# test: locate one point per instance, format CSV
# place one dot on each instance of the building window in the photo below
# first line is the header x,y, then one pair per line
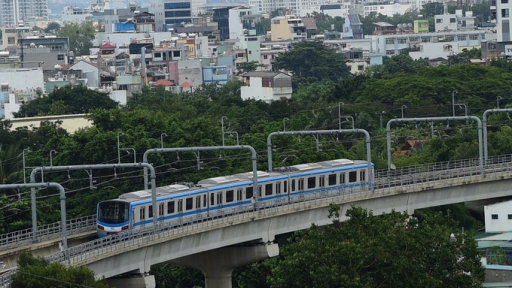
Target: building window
x,y
360,67
60,57
439,20
461,37
504,1
473,37
504,12
402,40
509,216
178,5
265,56
390,41
448,38
390,52
494,216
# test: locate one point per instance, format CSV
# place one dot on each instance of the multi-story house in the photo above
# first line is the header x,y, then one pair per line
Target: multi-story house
x,y
287,27
43,51
455,22
266,86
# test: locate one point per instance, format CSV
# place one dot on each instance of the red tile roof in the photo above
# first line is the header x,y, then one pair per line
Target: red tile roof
x,y
107,46
186,84
163,82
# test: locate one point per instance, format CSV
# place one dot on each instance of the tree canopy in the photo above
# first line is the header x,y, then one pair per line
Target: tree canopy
x,y
39,273
391,250
66,100
80,36
312,61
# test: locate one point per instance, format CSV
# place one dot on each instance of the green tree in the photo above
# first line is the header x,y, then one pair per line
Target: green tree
x,y
481,11
248,66
432,9
80,36
52,27
312,61
38,272
392,250
66,100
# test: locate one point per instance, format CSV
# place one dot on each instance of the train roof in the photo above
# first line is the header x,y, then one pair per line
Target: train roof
x,y
215,181
160,191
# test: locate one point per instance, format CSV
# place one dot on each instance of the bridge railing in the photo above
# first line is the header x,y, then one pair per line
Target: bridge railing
x,y
402,180
46,232
460,174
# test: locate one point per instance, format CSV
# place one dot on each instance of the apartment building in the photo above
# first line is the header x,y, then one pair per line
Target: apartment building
x,y
14,12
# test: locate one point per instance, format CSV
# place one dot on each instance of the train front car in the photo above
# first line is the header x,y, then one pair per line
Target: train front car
x,y
113,216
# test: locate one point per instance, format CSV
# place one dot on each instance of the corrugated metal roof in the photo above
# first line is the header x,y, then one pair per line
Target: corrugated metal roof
x,y
507,236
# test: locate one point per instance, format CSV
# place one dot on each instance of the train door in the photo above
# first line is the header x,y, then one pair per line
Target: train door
x,y
142,215
286,187
180,210
134,215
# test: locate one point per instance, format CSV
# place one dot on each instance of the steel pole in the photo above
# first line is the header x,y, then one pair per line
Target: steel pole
x,y
484,117
315,132
211,148
88,167
479,123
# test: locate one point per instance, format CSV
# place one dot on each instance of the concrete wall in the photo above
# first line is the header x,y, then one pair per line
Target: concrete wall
x,y
190,71
498,217
24,78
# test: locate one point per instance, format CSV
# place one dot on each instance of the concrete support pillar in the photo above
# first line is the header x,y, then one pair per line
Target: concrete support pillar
x,y
217,265
136,281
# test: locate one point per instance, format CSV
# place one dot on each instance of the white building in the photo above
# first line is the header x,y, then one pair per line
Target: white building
x,y
236,22
455,22
392,44
266,86
14,12
295,6
500,13
23,78
498,217
435,50
387,9
89,71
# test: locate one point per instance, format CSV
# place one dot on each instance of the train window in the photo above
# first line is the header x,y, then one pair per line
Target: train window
x,y
293,186
180,205
142,213
229,196
204,200
321,181
189,203
361,175
259,190
239,195
248,192
219,198
268,189
198,202
212,199
332,179
170,207
285,187
150,211
342,178
278,188
301,184
352,176
311,182
161,209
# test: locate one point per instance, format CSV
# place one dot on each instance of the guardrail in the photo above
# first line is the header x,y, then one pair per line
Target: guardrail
x,y
46,232
387,182
80,254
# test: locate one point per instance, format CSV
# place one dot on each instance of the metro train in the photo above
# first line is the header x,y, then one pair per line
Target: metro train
x,y
134,210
